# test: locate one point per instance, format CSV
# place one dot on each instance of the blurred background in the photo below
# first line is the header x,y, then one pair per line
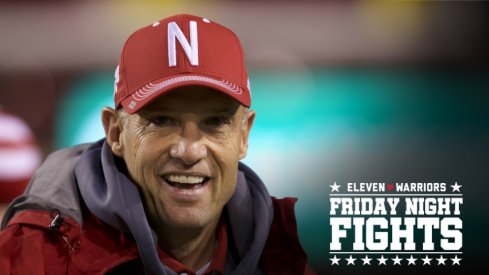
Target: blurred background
x,y
345,91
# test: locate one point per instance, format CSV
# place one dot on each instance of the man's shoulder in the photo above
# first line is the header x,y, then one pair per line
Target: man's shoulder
x,y
52,186
27,238
67,153
60,161
66,248
284,205
283,251
284,222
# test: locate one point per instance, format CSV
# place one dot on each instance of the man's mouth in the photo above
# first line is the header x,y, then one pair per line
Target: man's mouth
x,y
186,182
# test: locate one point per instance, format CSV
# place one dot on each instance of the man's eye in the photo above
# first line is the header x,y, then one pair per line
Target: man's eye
x,y
217,121
162,120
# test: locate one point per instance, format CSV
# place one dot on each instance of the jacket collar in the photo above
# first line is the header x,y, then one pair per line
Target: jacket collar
x,y
113,198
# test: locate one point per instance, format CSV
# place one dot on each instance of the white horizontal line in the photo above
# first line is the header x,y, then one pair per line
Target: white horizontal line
x,y
396,195
393,252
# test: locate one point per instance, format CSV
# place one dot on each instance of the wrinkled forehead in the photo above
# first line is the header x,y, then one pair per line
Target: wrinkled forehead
x,y
194,99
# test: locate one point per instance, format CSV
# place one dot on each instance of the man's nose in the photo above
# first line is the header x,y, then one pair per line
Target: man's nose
x,y
189,148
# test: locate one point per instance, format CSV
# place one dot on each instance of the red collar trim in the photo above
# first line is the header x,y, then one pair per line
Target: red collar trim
x,y
218,258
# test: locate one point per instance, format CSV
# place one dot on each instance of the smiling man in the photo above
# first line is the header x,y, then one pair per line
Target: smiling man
x,y
164,191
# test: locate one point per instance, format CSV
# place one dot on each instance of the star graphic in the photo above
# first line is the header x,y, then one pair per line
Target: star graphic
x,y
350,260
426,260
334,260
397,260
382,260
335,187
441,260
456,187
456,260
412,260
366,260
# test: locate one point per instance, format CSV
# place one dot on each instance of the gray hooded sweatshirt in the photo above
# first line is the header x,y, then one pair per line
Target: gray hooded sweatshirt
x,y
91,173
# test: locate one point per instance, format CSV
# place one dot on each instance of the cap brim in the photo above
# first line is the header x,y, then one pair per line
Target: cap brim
x,y
154,89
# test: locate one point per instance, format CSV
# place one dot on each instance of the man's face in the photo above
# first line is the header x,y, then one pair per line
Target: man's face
x,y
182,150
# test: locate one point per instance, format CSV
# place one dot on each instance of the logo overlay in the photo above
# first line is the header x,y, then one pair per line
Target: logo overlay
x,y
396,224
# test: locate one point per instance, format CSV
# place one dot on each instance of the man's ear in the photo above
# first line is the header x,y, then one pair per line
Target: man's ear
x,y
113,129
247,124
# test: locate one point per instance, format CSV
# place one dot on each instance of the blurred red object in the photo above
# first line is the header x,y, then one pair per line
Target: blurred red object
x,y
19,156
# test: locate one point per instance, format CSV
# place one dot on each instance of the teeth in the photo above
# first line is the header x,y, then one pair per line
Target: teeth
x,y
184,179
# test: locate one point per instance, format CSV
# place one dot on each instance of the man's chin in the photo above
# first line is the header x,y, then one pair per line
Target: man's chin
x,y
189,218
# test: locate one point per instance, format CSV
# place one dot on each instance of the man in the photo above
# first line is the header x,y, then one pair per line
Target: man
x,y
164,192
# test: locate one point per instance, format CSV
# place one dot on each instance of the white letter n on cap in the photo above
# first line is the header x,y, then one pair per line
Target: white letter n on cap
x,y
191,49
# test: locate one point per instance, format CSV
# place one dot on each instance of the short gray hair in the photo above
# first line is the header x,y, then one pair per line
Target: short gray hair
x,y
245,114
122,114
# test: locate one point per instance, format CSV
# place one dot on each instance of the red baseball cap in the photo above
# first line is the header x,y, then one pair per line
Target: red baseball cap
x,y
182,50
